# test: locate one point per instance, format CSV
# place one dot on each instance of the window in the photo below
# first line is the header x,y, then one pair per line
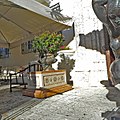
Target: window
x,y
26,47
4,53
30,44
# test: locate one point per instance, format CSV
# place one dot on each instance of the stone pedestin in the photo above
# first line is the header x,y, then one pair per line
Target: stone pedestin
x,y
44,84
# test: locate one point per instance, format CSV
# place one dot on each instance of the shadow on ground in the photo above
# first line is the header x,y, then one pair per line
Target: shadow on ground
x,y
13,100
113,95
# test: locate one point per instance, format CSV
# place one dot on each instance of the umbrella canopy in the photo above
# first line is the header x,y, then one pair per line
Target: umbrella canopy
x,y
21,20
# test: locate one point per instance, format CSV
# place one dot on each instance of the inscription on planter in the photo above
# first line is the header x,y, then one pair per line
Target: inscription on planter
x,y
53,79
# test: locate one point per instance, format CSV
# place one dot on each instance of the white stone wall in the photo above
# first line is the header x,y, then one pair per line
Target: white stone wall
x,y
90,66
82,15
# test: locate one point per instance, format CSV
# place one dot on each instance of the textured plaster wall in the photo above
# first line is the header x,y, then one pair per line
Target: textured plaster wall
x,y
90,65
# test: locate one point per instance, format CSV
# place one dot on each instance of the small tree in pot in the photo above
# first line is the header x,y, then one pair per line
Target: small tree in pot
x,y
47,45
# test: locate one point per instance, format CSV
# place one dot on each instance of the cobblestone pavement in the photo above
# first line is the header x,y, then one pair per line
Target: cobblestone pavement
x,y
90,103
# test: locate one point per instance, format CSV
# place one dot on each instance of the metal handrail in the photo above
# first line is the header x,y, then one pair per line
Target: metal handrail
x,y
16,74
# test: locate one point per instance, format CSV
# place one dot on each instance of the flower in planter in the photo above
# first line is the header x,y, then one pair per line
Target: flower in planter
x,y
65,48
47,43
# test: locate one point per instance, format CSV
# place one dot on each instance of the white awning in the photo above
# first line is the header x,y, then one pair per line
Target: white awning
x,y
21,20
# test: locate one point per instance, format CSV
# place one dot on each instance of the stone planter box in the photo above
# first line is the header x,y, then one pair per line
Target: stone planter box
x,y
46,83
46,79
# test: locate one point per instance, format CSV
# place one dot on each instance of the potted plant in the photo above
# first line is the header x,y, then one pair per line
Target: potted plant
x,y
47,45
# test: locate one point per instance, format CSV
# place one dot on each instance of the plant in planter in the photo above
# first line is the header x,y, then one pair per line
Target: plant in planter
x,y
47,45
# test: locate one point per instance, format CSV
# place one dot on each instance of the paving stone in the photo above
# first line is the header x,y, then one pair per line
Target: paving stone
x,y
77,104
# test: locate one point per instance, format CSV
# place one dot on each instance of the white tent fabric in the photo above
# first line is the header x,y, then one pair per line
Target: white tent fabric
x,y
44,2
21,20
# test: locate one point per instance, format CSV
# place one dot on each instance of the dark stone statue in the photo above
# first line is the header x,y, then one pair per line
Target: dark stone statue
x,y
108,12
